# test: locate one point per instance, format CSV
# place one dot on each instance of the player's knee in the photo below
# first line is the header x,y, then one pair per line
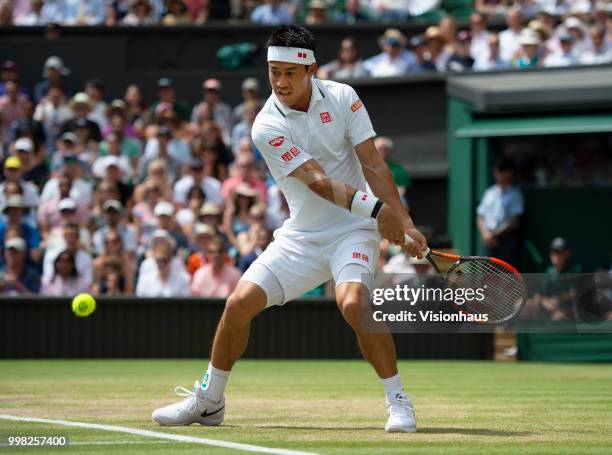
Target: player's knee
x,y
240,308
352,308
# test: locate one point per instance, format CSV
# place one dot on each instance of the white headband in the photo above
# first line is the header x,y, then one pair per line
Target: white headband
x,y
291,55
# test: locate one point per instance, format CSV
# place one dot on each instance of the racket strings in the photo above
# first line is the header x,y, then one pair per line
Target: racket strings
x,y
503,290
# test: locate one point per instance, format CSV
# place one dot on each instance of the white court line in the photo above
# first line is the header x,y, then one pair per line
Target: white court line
x,y
157,434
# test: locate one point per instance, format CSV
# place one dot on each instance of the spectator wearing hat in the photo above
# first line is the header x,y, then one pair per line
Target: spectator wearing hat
x,y
352,13
130,147
12,108
167,94
167,148
66,147
187,216
317,12
71,243
236,218
49,211
437,49
54,73
600,52
461,60
118,107
564,56
114,251
81,189
122,171
384,147
250,92
529,55
244,173
221,111
418,46
81,106
216,278
196,177
114,216
493,61
479,44
52,112
177,13
13,172
17,275
10,72
395,60
272,12
164,211
577,29
141,13
162,276
498,214
558,290
68,215
31,170
201,236
65,279
348,65
509,39
15,211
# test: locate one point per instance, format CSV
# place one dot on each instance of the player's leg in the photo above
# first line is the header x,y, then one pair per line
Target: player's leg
x,y
206,403
354,280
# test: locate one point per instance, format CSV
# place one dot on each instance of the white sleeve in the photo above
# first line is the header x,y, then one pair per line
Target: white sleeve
x,y
273,141
358,123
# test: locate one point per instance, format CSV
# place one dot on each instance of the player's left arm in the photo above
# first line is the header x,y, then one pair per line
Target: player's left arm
x,y
380,179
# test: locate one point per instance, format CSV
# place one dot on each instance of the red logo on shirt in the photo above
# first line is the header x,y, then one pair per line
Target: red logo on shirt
x,y
294,151
364,197
357,255
325,117
301,54
277,141
286,157
356,105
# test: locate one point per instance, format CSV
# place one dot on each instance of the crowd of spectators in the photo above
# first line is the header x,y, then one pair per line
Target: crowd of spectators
x,y
127,197
538,33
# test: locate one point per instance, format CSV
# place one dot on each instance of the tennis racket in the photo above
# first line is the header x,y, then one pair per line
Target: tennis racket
x,y
504,288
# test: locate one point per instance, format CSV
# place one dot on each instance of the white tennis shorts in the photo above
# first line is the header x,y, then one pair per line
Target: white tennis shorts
x,y
300,265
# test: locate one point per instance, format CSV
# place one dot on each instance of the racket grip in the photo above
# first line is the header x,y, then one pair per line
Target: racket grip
x,y
408,239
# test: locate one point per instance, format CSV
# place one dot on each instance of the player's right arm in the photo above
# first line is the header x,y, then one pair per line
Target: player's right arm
x,y
314,177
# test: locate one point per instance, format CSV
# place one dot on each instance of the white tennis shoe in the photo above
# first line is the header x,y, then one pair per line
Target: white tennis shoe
x,y
402,418
195,408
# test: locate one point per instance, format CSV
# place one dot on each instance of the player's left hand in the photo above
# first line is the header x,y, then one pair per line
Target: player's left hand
x,y
418,245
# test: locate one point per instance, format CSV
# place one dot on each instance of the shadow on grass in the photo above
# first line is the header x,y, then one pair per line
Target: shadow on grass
x,y
427,430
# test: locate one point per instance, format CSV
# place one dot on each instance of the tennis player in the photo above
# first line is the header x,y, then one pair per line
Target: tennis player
x,y
317,140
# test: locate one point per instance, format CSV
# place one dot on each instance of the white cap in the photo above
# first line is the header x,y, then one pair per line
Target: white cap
x,y
529,37
14,201
16,242
112,204
203,229
66,204
573,22
24,143
164,208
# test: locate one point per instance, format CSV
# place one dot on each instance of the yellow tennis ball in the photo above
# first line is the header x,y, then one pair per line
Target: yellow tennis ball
x,y
83,305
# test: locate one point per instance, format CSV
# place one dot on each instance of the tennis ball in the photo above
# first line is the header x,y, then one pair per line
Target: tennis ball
x,y
83,305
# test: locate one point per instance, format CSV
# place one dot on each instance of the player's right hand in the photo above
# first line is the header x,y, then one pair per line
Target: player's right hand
x,y
418,244
390,225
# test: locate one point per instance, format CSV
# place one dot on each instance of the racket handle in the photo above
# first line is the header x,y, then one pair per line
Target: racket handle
x,y
408,239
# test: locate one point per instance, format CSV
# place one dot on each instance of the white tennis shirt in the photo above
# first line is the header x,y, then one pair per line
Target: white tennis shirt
x,y
336,121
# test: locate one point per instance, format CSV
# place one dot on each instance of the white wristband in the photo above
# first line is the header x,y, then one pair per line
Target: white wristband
x,y
363,204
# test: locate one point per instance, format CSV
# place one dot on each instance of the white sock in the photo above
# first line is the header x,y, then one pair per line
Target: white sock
x,y
392,385
214,382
